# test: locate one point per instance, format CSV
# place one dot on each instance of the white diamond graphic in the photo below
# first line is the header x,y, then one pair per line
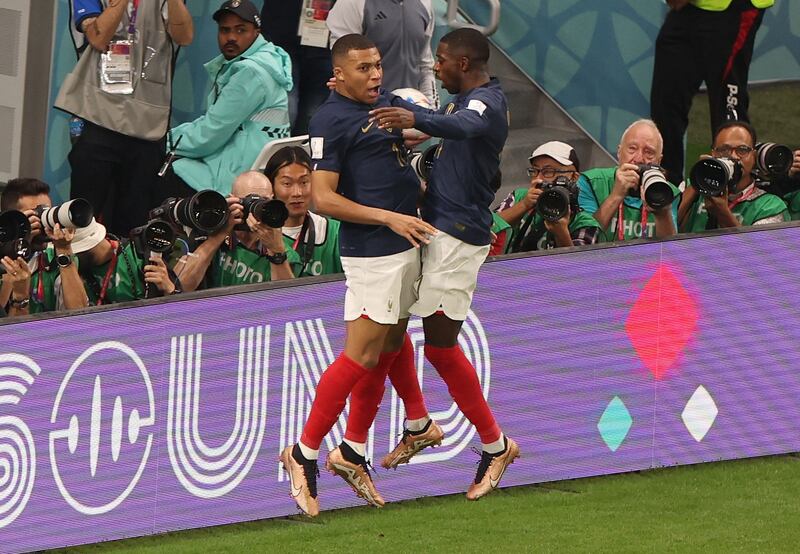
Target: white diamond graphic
x,y
700,413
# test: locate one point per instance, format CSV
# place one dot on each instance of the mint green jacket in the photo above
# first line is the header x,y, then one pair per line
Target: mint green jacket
x,y
247,108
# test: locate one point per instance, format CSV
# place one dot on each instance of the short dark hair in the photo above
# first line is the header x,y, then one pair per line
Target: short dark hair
x,y
735,123
470,43
287,155
17,188
353,41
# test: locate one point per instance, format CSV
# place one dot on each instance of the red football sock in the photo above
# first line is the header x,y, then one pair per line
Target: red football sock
x,y
462,382
332,390
365,399
403,375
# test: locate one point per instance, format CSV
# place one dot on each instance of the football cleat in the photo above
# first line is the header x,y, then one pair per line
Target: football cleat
x,y
356,474
303,479
412,443
491,469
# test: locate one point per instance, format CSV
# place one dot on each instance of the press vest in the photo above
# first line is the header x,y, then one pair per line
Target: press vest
x,y
720,5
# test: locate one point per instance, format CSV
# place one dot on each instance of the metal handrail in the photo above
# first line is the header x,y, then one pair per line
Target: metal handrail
x,y
494,20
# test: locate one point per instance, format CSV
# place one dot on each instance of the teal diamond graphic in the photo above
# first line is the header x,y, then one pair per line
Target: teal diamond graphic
x,y
615,423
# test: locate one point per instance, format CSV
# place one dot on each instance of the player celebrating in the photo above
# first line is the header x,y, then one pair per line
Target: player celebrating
x,y
474,127
362,178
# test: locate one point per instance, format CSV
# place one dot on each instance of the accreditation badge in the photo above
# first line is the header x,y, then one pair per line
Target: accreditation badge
x,y
313,30
116,68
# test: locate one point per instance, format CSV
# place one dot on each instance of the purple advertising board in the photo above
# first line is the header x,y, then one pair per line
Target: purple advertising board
x,y
153,418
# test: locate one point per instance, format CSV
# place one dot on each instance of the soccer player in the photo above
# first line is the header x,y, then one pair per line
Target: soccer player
x,y
361,177
474,126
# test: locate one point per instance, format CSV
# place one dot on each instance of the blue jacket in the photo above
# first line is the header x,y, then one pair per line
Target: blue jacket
x,y
247,108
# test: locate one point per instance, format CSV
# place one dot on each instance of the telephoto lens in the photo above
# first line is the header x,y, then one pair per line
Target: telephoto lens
x,y
422,163
655,188
269,211
714,176
13,225
73,214
773,160
154,236
556,197
205,211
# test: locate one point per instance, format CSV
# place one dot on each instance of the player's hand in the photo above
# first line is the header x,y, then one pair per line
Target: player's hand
x,y
18,274
411,228
795,169
413,138
393,118
532,197
156,272
626,179
677,5
331,84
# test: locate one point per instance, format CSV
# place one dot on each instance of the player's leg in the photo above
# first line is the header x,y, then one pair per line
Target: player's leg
x,y
382,301
363,346
449,277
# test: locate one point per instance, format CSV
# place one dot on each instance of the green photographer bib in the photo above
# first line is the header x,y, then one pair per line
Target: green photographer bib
x,y
324,256
43,282
125,282
754,208
242,266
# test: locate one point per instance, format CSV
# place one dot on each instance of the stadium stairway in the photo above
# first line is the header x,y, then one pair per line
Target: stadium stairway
x,y
536,118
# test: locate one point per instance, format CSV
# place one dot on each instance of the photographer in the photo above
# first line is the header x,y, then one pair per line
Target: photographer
x,y
51,280
314,238
614,197
551,164
787,186
739,202
237,256
115,270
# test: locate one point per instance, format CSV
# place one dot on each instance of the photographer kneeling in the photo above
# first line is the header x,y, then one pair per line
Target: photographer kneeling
x,y
618,197
245,250
546,215
722,192
38,273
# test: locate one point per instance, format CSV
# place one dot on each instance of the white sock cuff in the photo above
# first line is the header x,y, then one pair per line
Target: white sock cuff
x,y
415,425
497,446
359,447
308,453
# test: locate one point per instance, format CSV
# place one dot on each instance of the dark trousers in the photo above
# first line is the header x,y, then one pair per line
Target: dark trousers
x,y
311,69
116,174
693,46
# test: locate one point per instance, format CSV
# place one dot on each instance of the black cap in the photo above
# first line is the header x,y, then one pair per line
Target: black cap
x,y
243,8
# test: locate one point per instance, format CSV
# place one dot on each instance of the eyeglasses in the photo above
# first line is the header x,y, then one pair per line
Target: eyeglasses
x,y
742,150
546,172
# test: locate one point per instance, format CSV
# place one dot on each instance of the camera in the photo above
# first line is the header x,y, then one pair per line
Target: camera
x,y
715,176
422,162
655,188
269,211
155,236
205,211
15,232
773,160
556,198
72,214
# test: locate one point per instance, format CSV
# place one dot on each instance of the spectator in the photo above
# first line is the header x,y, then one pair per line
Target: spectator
x,y
125,109
406,55
49,281
238,257
529,230
314,238
702,40
308,49
743,203
247,107
612,195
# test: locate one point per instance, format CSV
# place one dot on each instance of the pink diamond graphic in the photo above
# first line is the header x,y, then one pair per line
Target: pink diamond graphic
x,y
662,321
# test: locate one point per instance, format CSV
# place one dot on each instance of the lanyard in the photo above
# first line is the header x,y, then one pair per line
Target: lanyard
x,y
112,265
132,23
742,198
39,296
620,226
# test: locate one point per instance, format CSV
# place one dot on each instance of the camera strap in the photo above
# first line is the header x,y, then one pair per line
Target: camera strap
x,y
744,196
39,296
515,246
621,226
308,239
112,266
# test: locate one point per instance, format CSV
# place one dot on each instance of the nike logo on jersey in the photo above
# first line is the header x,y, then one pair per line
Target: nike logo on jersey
x,y
368,127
